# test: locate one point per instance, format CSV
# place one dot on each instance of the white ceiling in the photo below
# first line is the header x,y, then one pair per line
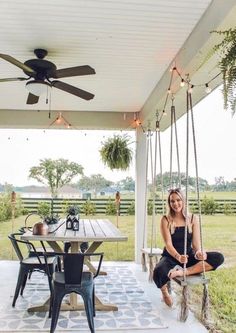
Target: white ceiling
x,y
131,44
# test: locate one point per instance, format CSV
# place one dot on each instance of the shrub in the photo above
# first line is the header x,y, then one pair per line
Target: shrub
x,y
24,211
194,208
150,207
6,208
131,209
209,206
228,210
111,208
89,208
44,209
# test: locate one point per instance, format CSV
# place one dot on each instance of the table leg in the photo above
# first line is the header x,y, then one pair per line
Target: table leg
x,y
92,248
73,304
40,308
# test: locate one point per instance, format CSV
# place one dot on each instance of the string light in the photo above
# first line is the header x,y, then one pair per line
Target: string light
x,y
61,120
208,89
190,89
182,83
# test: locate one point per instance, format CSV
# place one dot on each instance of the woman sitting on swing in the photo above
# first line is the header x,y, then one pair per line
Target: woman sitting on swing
x,y
173,257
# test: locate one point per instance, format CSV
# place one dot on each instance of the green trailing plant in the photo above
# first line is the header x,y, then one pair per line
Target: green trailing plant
x,y
116,153
227,64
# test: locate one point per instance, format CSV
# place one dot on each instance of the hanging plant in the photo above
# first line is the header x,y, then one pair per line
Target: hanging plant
x,y
227,64
115,152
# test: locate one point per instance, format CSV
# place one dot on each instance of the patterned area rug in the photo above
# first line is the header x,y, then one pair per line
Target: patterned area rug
x,y
119,286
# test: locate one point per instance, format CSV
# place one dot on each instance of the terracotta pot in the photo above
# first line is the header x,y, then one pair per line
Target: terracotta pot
x,y
40,228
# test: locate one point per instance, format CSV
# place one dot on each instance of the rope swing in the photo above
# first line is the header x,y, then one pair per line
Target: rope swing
x,y
200,278
153,253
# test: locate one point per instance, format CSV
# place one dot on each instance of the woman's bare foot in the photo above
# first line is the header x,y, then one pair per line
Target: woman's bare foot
x,y
175,272
166,296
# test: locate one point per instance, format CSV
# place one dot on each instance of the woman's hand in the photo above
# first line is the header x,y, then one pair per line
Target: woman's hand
x,y
200,255
183,259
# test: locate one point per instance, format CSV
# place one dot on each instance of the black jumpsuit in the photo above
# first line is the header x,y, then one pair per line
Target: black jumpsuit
x,y
167,262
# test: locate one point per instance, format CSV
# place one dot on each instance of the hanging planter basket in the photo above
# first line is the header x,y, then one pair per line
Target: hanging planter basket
x,y
227,64
115,152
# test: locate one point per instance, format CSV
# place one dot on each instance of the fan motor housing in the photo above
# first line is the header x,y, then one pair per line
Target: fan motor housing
x,y
43,68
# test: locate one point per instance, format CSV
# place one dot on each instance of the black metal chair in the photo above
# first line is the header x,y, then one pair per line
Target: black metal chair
x,y
73,279
40,250
28,263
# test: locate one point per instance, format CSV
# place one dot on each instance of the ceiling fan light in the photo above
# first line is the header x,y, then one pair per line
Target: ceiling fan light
x,y
37,87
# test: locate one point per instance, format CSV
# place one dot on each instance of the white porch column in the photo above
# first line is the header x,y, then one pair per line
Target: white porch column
x,y
140,192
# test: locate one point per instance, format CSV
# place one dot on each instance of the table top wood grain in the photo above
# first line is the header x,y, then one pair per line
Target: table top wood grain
x,y
90,230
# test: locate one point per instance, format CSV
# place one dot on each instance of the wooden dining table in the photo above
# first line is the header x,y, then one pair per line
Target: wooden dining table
x,y
93,231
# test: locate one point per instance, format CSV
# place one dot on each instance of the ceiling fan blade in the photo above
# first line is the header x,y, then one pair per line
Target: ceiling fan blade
x,y
72,90
17,63
32,99
73,71
14,79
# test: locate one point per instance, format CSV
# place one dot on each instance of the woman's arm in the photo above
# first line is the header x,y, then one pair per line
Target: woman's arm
x,y
165,232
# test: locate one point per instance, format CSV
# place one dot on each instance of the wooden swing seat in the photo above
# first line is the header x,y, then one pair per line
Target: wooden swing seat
x,y
149,253
191,280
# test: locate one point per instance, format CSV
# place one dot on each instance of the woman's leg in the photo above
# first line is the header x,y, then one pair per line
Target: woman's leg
x,y
214,260
160,277
192,270
166,296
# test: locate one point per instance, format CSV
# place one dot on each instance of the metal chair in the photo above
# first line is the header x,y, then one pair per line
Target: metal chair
x,y
28,263
73,279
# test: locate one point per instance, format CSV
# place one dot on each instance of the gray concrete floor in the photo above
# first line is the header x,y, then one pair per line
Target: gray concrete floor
x,y
9,272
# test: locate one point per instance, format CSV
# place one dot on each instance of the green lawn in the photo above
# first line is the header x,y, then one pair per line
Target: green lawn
x,y
219,233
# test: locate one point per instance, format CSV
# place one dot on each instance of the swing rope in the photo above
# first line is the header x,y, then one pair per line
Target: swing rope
x,y
161,170
174,128
153,251
184,310
205,298
153,233
145,195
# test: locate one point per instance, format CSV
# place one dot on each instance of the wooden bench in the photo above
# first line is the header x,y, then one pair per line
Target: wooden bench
x,y
150,257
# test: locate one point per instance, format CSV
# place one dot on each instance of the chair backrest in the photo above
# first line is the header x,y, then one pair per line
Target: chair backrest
x,y
73,265
16,245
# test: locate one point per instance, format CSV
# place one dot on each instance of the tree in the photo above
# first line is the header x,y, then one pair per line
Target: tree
x,y
127,184
55,173
220,184
203,184
94,183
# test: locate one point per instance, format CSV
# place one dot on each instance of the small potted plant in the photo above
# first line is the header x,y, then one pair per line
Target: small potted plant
x,y
227,64
116,153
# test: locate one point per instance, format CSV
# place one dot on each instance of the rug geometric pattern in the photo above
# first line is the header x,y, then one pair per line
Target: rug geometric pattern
x,y
119,286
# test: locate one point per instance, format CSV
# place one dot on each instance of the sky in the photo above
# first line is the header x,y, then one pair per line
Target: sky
x,y
215,138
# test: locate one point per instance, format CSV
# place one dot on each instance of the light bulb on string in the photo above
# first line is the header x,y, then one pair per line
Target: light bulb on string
x,y
190,90
169,91
59,119
208,89
164,113
182,83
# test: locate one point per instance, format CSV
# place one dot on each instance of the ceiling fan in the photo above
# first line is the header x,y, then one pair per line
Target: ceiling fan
x,y
41,71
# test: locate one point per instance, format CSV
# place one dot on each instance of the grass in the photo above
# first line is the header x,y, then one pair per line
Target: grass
x,y
218,234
